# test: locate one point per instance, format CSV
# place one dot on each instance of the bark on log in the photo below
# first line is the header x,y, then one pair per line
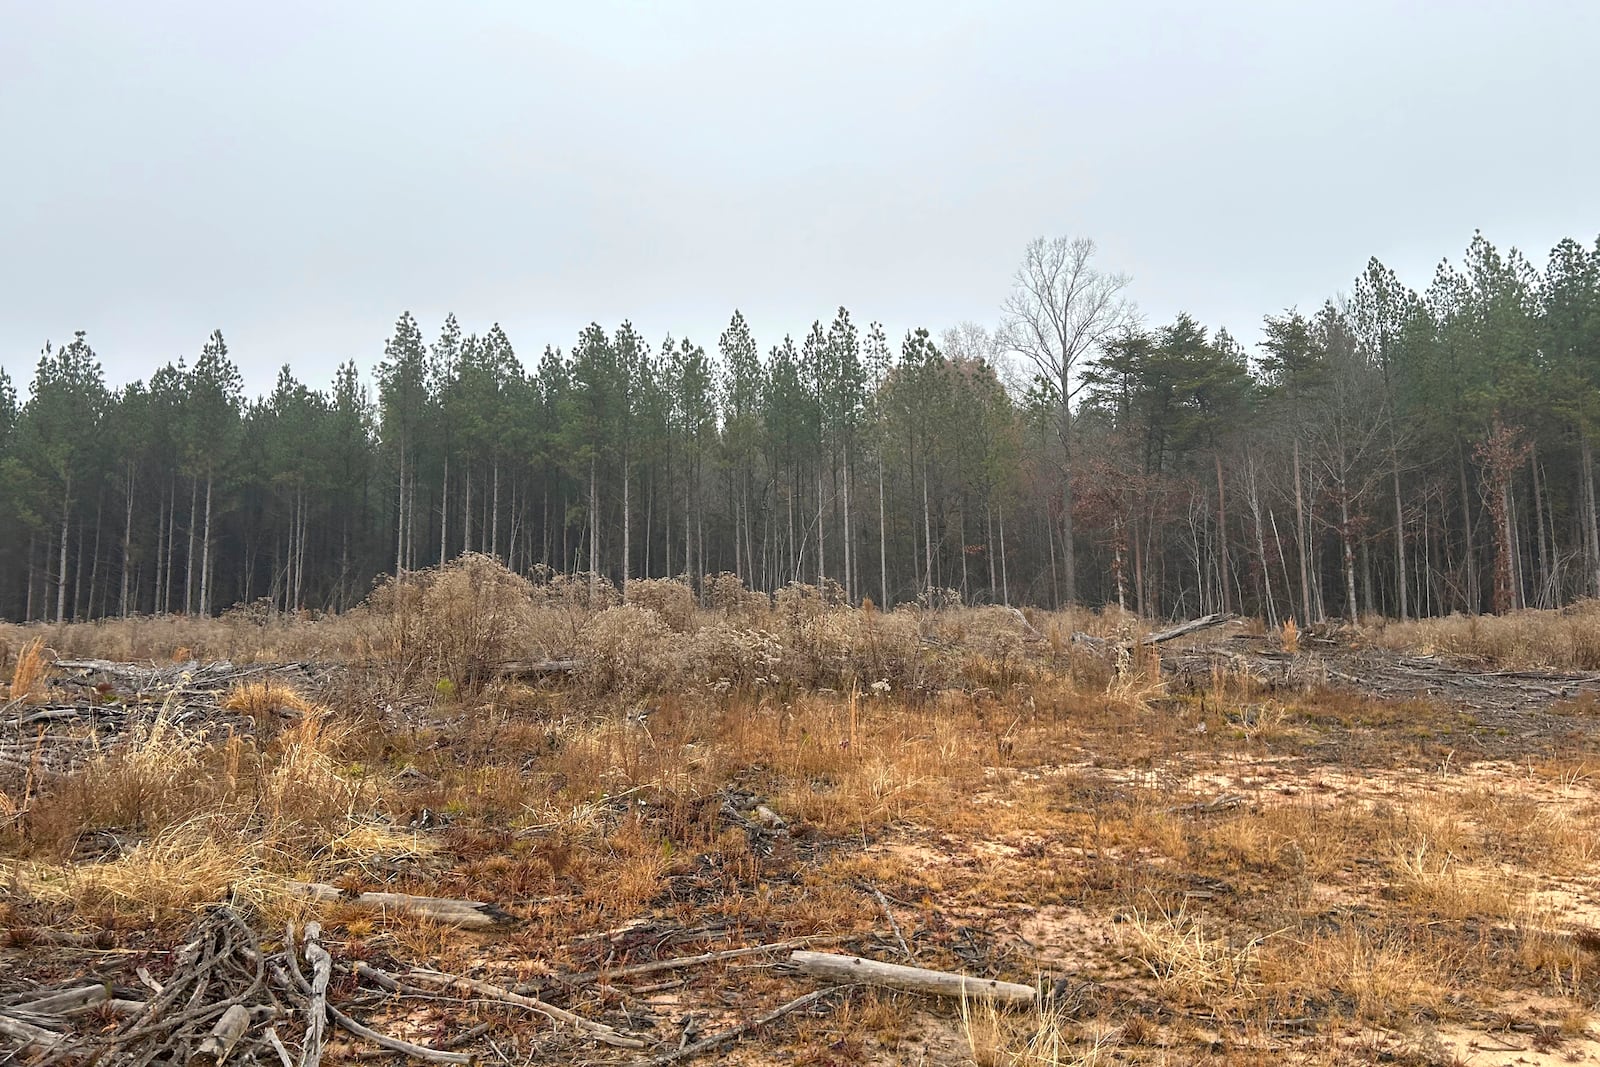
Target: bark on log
x,y
855,969
467,914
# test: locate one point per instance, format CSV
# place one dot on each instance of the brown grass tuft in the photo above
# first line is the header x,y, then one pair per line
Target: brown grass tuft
x,y
262,700
28,677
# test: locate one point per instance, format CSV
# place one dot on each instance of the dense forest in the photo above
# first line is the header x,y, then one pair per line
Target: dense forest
x,y
1399,451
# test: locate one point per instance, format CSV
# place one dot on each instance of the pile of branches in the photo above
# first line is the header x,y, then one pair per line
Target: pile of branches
x,y
89,704
226,1000
230,1000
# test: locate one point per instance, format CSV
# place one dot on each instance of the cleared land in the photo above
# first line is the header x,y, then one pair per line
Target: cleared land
x,y
1241,847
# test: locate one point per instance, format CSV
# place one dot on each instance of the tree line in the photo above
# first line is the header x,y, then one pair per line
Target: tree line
x,y
1398,450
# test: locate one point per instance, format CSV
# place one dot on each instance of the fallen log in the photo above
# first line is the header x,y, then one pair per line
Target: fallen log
x,y
856,969
317,1014
467,914
1204,622
536,668
27,1032
226,1034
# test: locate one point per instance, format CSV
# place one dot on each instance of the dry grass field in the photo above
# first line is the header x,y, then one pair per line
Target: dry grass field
x,y
1253,862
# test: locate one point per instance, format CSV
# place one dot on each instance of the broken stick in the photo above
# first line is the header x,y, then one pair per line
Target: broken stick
x,y
599,1031
836,968
734,1033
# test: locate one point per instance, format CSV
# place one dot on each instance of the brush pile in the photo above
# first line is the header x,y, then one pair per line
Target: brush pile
x,y
226,1000
58,721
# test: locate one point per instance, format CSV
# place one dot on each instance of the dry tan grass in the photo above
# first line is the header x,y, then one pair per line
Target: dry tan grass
x,y
264,699
28,676
1568,639
985,775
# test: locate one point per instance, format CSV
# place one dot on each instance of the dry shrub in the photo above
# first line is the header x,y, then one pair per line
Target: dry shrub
x,y
1289,635
861,649
581,590
1189,961
669,598
628,650
243,635
798,603
1385,978
939,599
454,622
728,594
728,657
27,678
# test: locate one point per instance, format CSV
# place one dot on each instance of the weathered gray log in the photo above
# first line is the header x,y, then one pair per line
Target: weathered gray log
x,y
637,970
317,1014
856,969
1204,622
224,1035
27,1033
467,914
536,668
65,1000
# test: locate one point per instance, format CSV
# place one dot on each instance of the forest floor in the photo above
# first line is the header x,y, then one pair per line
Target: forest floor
x,y
1321,850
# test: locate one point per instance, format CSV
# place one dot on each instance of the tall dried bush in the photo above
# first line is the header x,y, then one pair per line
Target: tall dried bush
x,y
672,600
455,622
629,650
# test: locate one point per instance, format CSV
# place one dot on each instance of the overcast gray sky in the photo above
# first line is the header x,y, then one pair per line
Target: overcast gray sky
x,y
299,173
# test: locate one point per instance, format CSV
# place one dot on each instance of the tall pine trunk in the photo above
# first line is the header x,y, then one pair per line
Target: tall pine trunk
x,y
188,560
61,573
205,555
127,542
1300,537
1399,537
400,514
494,508
1474,600
466,508
1591,514
594,532
627,530
1222,541
1347,545
1005,581
883,541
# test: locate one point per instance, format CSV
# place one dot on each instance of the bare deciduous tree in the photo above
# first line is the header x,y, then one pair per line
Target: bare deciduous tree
x,y
1061,309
